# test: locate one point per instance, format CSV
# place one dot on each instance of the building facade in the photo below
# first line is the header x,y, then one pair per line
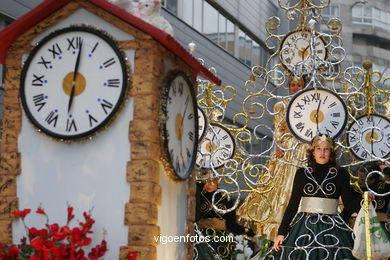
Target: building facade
x,y
365,34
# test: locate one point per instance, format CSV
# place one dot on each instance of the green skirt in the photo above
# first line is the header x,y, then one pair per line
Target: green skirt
x,y
315,236
207,251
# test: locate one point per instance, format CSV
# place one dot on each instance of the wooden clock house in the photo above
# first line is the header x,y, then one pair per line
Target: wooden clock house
x,y
121,168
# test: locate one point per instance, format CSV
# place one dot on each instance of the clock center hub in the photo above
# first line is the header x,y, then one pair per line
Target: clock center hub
x,y
316,117
303,52
211,147
371,137
179,126
80,83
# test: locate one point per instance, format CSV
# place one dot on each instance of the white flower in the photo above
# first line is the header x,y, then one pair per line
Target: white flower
x,y
240,257
247,252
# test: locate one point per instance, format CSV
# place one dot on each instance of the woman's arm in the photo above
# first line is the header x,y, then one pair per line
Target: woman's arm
x,y
350,198
293,204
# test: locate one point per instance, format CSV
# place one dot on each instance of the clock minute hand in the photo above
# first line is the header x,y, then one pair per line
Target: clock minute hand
x,y
304,51
75,71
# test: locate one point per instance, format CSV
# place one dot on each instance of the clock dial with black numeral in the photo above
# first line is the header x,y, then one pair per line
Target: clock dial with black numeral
x,y
296,51
369,136
180,125
216,147
202,120
316,111
73,82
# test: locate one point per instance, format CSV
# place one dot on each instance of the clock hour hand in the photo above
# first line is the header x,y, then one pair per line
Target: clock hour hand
x,y
75,71
316,116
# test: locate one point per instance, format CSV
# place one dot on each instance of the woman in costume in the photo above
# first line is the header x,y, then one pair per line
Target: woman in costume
x,y
317,231
212,223
263,209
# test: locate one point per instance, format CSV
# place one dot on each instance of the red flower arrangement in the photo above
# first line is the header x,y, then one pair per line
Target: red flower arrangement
x,y
54,242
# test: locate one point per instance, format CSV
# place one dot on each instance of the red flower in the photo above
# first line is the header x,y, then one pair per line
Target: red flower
x,y
98,251
70,214
54,242
21,213
40,211
132,255
13,253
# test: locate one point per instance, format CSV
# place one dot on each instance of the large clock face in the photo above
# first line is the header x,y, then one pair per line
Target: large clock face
x,y
180,126
316,111
369,136
216,148
73,82
297,54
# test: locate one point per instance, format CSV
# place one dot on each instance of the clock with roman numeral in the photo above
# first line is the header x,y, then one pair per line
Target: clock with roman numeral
x,y
73,82
216,148
299,51
369,137
180,124
316,111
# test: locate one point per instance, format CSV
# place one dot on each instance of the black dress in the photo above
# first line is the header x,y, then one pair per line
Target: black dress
x,y
318,236
205,210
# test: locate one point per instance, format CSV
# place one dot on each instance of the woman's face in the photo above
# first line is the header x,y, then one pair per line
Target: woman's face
x,y
322,153
295,86
211,185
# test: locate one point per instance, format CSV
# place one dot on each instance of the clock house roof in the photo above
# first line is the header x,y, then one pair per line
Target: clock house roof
x,y
47,7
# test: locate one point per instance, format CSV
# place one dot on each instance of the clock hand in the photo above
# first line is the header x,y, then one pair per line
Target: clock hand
x,y
185,110
304,51
75,71
316,115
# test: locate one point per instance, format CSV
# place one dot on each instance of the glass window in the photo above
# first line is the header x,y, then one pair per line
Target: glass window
x,y
256,53
188,7
241,46
357,11
171,5
248,50
197,15
230,37
362,14
222,31
331,11
210,22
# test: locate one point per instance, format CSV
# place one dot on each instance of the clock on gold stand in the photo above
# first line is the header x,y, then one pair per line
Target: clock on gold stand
x,y
216,147
298,51
73,83
316,111
369,137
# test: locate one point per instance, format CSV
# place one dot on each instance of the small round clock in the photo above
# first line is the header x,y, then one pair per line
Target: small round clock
x,y
73,82
295,51
202,120
216,147
316,111
369,136
180,124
